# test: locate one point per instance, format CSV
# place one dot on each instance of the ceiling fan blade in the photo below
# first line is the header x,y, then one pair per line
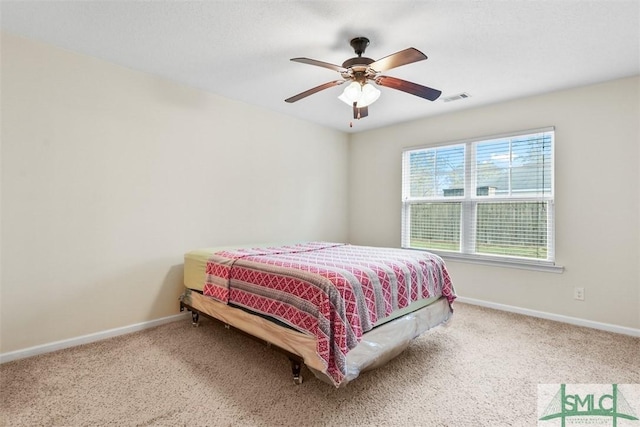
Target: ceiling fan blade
x,y
320,64
397,59
359,113
412,88
306,93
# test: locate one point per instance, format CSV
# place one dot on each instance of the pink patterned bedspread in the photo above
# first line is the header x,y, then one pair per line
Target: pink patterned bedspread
x,y
333,291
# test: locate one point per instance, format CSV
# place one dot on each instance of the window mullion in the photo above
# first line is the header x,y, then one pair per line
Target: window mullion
x,y
467,232
510,168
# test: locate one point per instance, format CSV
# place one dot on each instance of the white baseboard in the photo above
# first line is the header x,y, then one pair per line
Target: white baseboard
x,y
86,339
551,316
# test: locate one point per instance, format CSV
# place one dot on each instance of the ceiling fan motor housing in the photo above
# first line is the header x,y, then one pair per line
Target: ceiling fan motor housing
x,y
353,62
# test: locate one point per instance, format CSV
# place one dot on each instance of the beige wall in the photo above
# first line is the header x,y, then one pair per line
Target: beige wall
x,y
110,175
597,198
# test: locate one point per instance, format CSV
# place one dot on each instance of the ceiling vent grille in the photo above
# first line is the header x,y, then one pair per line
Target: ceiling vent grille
x,y
457,97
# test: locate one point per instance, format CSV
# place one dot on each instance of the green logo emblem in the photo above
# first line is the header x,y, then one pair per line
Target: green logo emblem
x,y
587,405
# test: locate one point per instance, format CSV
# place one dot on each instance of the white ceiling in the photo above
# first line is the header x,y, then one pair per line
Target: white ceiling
x,y
493,50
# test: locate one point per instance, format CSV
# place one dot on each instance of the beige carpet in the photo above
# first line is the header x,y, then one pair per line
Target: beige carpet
x,y
482,370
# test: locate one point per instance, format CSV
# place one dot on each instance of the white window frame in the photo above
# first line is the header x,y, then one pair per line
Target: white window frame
x,y
470,202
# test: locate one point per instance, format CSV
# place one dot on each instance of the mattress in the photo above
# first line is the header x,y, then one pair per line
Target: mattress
x,y
195,265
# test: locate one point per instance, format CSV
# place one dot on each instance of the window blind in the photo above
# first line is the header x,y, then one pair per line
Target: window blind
x,y
486,197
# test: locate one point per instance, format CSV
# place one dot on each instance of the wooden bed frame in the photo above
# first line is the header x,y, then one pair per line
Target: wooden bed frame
x,y
301,348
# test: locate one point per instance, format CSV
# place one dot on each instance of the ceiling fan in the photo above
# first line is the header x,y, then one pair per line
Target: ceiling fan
x,y
361,71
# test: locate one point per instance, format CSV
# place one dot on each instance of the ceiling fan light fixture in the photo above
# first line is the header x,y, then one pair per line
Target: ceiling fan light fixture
x,y
370,94
344,99
363,95
352,93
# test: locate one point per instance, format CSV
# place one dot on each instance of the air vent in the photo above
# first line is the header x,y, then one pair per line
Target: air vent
x,y
457,97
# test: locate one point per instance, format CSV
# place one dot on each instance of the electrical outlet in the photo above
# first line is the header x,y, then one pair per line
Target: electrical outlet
x,y
578,293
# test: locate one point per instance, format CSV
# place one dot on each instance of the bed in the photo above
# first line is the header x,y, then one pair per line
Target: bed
x,y
338,309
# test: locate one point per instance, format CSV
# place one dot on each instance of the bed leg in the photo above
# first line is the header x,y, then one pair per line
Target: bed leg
x,y
296,367
195,319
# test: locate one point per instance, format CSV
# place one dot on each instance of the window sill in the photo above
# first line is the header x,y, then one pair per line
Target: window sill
x,y
543,266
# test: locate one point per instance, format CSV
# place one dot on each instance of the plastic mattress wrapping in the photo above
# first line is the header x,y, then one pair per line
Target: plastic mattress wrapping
x,y
387,341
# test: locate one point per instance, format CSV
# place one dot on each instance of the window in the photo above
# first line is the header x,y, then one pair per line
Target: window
x,y
488,199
